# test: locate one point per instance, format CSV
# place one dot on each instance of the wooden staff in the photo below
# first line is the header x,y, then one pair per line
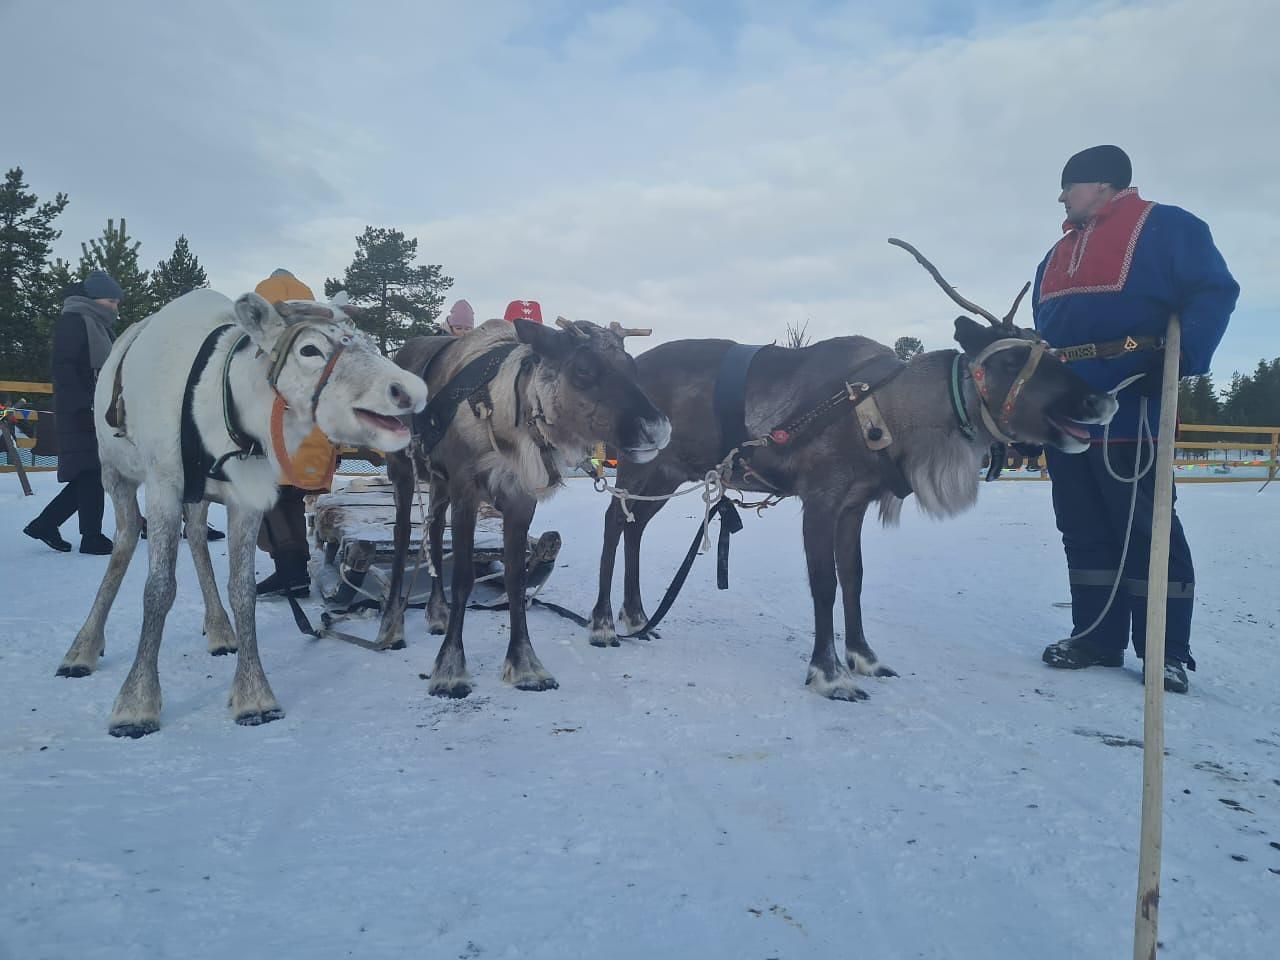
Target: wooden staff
x,y
1148,903
15,458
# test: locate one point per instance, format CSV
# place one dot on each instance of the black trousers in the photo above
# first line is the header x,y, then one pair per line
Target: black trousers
x,y
284,526
1092,509
82,495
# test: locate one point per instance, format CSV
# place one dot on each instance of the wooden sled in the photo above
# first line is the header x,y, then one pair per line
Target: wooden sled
x,y
355,530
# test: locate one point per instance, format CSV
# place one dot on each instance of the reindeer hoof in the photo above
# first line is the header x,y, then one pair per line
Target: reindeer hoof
x,y
397,644
255,718
75,670
221,651
604,635
849,694
452,689
838,687
537,683
134,731
868,666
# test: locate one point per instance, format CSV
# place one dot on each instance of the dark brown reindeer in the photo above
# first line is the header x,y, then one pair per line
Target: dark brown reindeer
x,y
514,408
922,426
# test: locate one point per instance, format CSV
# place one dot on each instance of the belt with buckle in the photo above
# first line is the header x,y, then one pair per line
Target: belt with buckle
x,y
1108,349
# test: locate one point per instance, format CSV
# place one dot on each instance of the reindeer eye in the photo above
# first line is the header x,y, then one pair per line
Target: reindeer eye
x,y
583,371
311,351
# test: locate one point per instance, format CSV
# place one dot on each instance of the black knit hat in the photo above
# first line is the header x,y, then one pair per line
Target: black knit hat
x,y
1102,164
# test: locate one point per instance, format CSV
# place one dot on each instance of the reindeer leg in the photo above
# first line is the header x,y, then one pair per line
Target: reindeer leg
x,y
137,707
222,638
858,653
828,675
437,607
603,631
632,616
449,677
391,627
82,658
522,669
252,701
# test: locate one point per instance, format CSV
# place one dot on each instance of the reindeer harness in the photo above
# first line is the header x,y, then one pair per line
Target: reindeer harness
x,y
311,467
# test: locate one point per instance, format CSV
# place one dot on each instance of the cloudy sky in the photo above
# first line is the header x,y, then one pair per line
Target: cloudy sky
x,y
713,168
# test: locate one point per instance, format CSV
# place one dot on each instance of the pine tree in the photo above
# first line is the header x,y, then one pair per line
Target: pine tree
x,y
26,234
402,299
117,253
907,347
180,274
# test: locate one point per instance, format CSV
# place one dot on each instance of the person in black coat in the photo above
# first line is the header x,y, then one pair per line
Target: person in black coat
x,y
82,338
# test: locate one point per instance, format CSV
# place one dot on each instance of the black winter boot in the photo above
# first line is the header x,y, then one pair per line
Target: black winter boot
x,y
1079,653
47,535
96,543
1103,646
290,579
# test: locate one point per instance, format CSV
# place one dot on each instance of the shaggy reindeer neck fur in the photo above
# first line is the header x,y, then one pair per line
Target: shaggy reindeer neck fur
x,y
939,460
524,387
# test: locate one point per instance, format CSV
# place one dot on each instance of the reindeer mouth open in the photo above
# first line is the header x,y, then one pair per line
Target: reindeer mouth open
x,y
1072,428
381,421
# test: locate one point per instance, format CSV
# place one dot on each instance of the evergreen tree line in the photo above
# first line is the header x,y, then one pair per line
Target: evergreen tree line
x,y
1250,400
401,298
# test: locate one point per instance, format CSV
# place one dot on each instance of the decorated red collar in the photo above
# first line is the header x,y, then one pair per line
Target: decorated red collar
x,y
1096,257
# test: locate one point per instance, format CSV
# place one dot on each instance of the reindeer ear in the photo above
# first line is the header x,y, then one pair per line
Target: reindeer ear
x,y
546,342
260,320
972,336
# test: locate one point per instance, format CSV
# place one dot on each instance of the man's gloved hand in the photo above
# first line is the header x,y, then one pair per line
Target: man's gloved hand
x,y
1030,450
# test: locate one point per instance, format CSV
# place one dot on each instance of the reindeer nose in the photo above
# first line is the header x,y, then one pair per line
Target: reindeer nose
x,y
401,398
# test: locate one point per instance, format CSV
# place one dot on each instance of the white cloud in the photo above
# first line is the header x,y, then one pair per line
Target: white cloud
x,y
702,176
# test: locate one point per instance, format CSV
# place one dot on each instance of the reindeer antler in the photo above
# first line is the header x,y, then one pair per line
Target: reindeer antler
x,y
624,332
571,327
1008,317
951,291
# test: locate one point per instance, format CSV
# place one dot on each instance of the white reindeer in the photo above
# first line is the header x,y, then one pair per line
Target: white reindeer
x,y
272,376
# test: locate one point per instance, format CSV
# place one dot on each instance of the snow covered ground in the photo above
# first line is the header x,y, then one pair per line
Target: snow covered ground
x,y
685,797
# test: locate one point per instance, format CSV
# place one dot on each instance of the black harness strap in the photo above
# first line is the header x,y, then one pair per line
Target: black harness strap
x,y
245,445
467,384
728,518
730,399
196,459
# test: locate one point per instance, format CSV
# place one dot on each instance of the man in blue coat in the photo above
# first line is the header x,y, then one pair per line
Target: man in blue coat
x,y
1103,296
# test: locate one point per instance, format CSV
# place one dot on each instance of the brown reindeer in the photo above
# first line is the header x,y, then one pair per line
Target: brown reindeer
x,y
518,406
913,438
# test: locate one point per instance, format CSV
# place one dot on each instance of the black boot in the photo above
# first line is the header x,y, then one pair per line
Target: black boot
x,y
290,579
1079,653
47,535
1103,646
96,544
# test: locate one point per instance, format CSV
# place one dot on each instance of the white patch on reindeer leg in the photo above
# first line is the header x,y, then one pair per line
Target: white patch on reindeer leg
x,y
603,633
839,687
868,666
530,675
449,677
